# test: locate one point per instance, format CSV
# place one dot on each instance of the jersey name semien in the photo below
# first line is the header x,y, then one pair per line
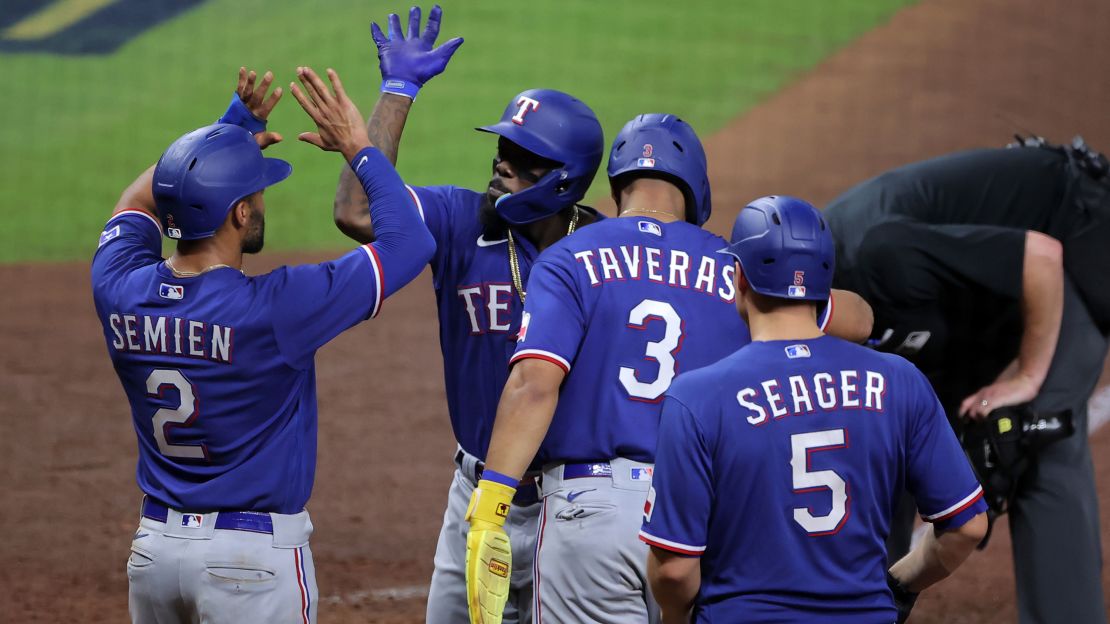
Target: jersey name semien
x,y
171,335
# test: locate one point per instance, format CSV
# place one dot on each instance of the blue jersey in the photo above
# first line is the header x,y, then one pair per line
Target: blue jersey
x,y
781,465
219,369
479,310
624,306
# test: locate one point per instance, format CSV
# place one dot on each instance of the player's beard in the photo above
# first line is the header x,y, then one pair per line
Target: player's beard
x,y
492,222
256,232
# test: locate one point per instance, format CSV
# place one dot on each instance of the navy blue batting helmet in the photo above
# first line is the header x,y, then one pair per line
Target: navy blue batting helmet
x,y
785,248
664,146
204,173
558,127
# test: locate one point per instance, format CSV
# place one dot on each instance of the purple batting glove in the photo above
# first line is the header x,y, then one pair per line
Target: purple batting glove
x,y
408,62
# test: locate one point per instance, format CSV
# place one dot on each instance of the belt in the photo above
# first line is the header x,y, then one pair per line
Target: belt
x,y
253,521
591,469
526,491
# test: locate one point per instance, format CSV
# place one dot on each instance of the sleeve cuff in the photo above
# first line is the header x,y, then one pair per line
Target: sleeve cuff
x,y
540,354
142,213
955,509
379,278
826,318
675,547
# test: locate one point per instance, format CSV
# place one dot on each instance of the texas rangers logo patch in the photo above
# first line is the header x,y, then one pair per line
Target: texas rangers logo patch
x,y
171,291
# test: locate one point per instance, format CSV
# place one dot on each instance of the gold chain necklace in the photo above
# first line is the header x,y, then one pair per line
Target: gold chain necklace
x,y
180,273
514,263
636,211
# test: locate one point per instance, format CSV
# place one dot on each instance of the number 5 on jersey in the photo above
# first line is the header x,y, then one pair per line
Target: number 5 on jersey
x,y
806,480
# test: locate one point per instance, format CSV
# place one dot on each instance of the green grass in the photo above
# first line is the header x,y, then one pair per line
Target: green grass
x,y
78,130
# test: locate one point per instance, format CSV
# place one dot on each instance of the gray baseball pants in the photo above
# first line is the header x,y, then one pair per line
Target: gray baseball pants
x,y
447,595
186,570
590,563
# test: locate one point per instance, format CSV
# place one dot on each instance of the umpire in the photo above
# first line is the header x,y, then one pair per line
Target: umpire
x,y
984,268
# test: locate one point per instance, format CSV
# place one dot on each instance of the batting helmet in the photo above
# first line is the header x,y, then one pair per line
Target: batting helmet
x,y
785,248
204,173
560,128
664,146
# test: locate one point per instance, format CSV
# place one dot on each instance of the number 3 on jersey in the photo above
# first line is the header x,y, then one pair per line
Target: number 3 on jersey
x,y
662,351
806,480
167,419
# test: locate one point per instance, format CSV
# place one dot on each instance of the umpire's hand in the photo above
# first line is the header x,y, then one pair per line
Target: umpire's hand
x,y
340,126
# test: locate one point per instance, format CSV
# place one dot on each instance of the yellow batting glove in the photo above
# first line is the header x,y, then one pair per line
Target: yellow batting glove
x,y
489,558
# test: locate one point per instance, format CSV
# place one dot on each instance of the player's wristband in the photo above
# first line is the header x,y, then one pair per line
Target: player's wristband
x,y
238,114
490,502
397,86
497,477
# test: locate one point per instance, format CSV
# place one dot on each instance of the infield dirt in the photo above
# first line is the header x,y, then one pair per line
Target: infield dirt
x,y
942,75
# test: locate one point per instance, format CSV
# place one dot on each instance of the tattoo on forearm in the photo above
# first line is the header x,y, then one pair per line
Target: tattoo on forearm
x,y
384,129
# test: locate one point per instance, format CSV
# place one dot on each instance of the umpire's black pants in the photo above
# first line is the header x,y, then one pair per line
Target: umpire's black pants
x,y
1054,522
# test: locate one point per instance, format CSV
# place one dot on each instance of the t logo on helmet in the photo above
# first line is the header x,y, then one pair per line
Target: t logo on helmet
x,y
526,104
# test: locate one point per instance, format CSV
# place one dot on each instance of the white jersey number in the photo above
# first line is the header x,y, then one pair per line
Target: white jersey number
x,y
182,416
801,445
662,351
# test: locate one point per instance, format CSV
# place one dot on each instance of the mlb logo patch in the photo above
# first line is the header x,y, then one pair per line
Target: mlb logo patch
x,y
108,235
173,232
642,474
171,291
647,163
797,351
796,291
650,228
192,521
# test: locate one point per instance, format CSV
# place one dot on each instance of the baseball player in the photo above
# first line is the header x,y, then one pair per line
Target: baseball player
x,y
615,313
549,148
986,269
778,467
218,367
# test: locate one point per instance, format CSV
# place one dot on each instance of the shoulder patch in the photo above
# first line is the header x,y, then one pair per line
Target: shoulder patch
x,y
108,235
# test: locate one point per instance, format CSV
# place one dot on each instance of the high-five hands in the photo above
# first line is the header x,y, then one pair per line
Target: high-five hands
x,y
409,62
340,126
250,106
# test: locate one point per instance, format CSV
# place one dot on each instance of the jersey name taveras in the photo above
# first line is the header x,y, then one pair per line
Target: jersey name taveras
x,y
219,369
625,306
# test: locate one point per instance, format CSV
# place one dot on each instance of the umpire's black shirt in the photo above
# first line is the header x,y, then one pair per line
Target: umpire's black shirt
x,y
937,248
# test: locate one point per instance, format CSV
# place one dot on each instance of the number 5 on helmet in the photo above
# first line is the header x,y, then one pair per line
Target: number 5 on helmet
x,y
489,558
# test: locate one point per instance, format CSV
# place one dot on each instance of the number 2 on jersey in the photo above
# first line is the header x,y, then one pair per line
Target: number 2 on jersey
x,y
806,480
662,351
183,415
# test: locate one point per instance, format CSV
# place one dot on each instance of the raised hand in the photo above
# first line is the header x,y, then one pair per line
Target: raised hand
x,y
339,124
409,62
249,105
254,98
